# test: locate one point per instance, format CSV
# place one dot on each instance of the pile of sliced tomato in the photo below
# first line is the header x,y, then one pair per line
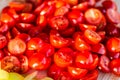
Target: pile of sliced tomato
x,y
59,39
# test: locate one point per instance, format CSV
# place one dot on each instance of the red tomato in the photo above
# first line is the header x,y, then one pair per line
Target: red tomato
x,y
84,59
18,6
3,41
92,37
75,17
77,72
34,43
2,54
80,44
115,66
57,40
83,6
16,46
99,49
27,17
104,62
25,37
7,19
83,27
58,22
93,16
41,21
24,27
54,71
39,61
95,62
92,75
47,49
10,64
23,63
63,10
113,45
63,57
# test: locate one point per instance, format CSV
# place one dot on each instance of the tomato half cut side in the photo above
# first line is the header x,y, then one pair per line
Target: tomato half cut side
x,y
10,64
93,16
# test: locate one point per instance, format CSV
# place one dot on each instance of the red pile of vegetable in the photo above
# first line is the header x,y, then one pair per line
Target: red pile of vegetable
x,y
69,39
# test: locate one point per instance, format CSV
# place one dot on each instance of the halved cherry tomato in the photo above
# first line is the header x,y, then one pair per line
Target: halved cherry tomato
x,y
10,64
75,17
63,57
80,44
16,46
3,41
57,40
93,16
104,62
34,43
115,66
113,45
58,22
39,61
27,17
84,59
77,72
83,27
23,63
92,37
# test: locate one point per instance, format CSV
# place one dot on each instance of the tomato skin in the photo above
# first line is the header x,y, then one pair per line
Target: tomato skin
x,y
83,27
84,59
24,64
104,63
34,43
54,71
61,11
2,54
47,49
94,65
114,66
24,27
75,17
3,41
80,44
112,45
25,37
58,22
99,49
27,17
17,6
63,57
39,61
92,75
83,6
77,72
